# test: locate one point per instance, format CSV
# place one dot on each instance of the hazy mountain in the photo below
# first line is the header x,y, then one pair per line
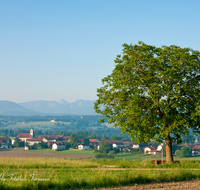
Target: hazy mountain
x,y
14,109
63,102
79,107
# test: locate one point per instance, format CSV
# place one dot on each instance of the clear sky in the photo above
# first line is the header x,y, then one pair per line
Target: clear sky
x,y
52,50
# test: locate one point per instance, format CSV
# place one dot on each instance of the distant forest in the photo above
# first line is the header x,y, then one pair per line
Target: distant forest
x,y
87,123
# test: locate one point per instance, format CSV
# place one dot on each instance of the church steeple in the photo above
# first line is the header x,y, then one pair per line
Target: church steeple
x,y
31,131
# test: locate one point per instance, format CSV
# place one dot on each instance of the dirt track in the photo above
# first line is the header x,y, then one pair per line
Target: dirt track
x,y
19,153
193,185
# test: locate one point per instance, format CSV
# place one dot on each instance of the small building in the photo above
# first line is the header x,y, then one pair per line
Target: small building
x,y
26,147
83,146
59,146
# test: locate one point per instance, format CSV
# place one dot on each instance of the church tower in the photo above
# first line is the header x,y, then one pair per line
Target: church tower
x,y
31,132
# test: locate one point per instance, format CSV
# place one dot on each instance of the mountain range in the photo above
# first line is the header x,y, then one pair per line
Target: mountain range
x,y
41,107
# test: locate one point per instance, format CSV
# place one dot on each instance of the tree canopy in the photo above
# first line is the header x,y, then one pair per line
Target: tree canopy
x,y
186,151
153,93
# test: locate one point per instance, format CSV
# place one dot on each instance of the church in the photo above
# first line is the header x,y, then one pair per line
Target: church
x,y
24,136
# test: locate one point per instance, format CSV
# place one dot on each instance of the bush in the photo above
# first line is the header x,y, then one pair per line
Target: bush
x,y
95,150
186,151
177,153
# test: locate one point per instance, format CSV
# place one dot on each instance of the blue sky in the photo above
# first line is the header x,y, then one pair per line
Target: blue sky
x,y
52,50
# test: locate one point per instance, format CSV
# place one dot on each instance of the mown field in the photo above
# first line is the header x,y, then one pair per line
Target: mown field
x,y
62,173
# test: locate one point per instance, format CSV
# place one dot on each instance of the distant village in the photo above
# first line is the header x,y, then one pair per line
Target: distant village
x,y
60,142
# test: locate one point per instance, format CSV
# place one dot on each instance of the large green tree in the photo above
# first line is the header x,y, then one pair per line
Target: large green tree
x,y
73,140
153,93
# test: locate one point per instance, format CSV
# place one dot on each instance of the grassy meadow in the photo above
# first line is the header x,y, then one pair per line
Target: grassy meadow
x,y
60,173
36,125
65,151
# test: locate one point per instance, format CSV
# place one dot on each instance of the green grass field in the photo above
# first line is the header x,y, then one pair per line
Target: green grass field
x,y
36,125
60,173
150,157
120,156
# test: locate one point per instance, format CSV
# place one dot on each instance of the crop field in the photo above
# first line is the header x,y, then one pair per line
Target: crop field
x,y
64,173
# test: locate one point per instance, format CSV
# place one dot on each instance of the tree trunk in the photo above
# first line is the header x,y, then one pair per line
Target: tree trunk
x,y
168,145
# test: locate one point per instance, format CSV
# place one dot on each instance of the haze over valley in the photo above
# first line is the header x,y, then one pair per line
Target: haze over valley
x,y
42,107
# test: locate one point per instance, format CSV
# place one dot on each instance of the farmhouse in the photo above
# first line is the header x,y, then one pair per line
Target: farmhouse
x,y
58,146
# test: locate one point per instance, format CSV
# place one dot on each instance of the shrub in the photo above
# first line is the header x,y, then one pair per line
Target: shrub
x,y
186,151
95,150
177,153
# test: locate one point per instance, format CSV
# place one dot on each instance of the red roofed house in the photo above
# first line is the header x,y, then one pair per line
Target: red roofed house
x,y
150,150
3,144
4,139
94,141
196,150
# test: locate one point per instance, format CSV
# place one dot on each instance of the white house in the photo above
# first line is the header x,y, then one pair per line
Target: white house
x,y
159,148
150,150
119,145
58,146
83,147
31,142
135,145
